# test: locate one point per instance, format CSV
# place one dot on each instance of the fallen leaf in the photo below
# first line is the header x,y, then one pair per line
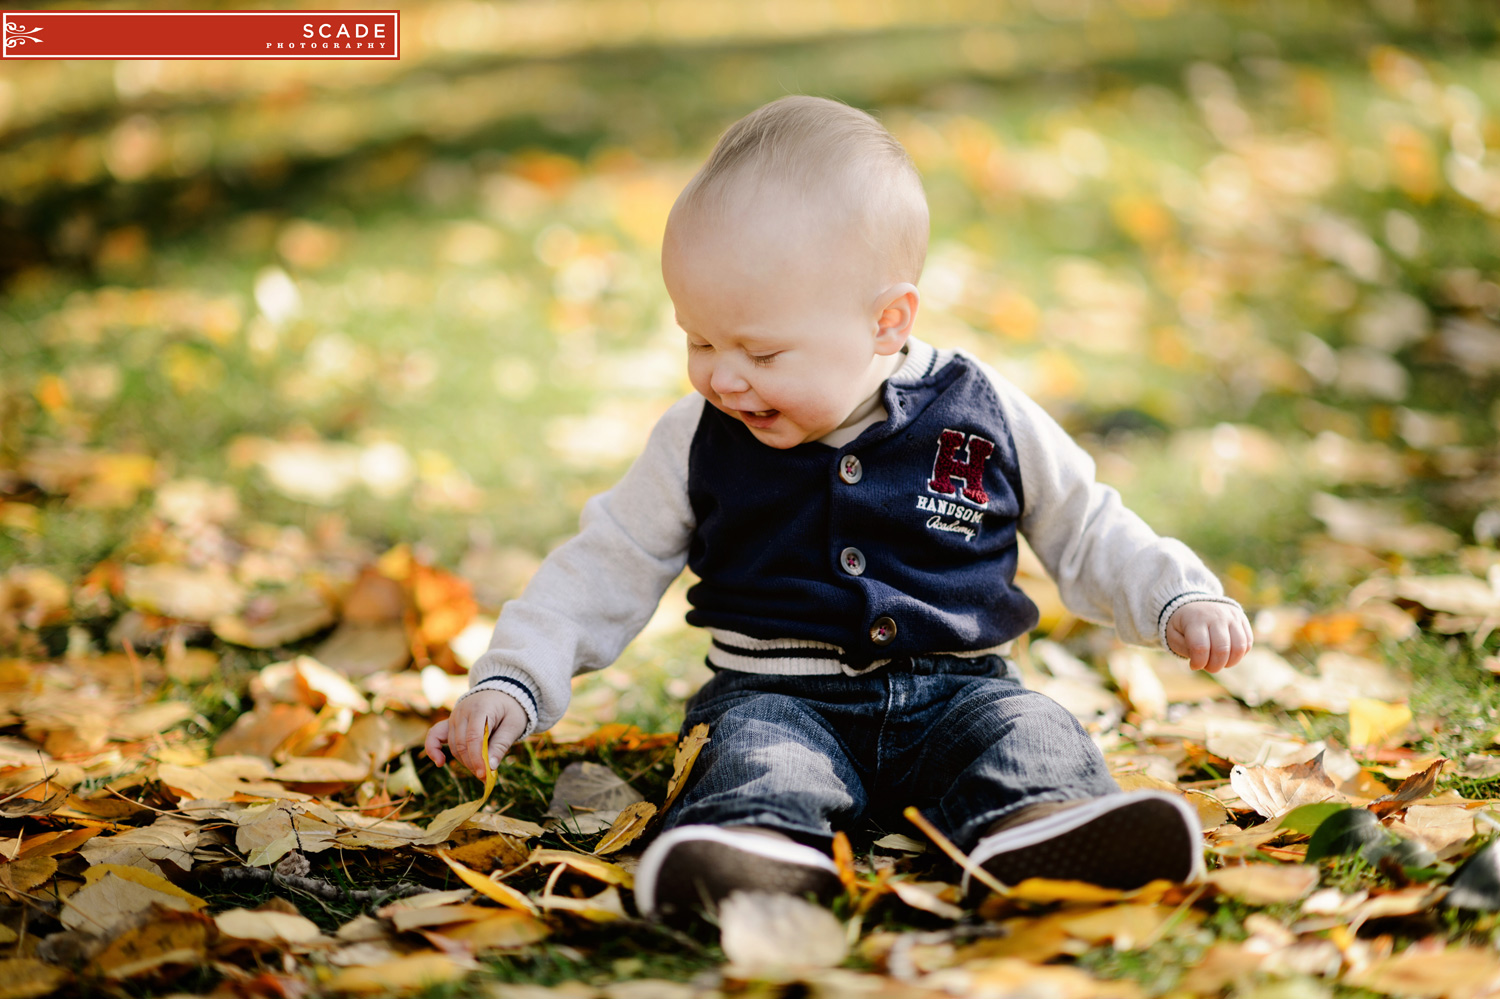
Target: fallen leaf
x,y
168,939
180,592
1418,785
490,853
28,978
925,896
269,621
170,839
589,797
682,764
1274,791
321,770
501,930
628,827
489,887
27,873
1138,682
1265,884
406,974
583,863
282,928
762,932
1374,724
1449,973
1129,926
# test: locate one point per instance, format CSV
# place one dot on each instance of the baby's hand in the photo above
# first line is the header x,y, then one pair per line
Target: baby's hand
x,y
1209,635
464,730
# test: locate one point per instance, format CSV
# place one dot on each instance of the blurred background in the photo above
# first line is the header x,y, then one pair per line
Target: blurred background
x,y
268,319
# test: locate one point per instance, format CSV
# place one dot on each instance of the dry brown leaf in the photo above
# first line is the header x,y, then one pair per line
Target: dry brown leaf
x,y
27,873
1126,927
682,764
147,722
628,827
28,978
357,650
405,974
763,932
262,730
177,591
583,863
439,915
170,839
1009,976
589,797
503,929
169,938
1139,684
113,896
490,853
1274,791
489,887
1222,965
1266,884
282,928
321,770
1432,973
269,621
1418,785
926,897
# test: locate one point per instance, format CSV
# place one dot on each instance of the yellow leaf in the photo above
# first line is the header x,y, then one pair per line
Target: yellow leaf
x,y
682,765
28,978
629,824
28,872
504,929
1046,890
163,941
1266,884
1374,724
144,878
599,870
446,822
405,974
502,893
267,926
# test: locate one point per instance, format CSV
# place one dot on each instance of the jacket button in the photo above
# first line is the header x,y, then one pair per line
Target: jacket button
x,y
850,469
883,631
853,561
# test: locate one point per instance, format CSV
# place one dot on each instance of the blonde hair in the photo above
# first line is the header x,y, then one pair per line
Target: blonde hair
x,y
830,156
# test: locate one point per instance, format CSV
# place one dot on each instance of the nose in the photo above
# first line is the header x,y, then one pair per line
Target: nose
x,y
726,378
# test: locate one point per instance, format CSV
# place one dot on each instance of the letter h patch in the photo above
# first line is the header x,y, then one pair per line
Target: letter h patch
x,y
947,467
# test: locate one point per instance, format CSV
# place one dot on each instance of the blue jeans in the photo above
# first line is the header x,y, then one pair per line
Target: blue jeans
x,y
961,739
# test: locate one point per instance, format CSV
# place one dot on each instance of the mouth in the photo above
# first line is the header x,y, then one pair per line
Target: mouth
x,y
759,419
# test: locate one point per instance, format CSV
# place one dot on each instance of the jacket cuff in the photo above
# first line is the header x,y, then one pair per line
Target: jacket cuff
x,y
515,688
1181,600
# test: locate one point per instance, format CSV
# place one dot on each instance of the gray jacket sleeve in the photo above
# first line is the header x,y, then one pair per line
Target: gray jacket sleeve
x,y
1108,565
595,592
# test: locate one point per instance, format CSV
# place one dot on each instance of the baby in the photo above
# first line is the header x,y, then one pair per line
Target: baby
x,y
849,498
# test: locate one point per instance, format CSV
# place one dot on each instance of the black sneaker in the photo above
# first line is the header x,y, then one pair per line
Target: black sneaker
x,y
696,867
1120,841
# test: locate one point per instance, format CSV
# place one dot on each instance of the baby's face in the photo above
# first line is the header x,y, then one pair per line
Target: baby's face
x,y
782,320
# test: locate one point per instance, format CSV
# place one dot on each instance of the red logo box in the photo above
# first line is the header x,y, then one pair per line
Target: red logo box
x,y
184,34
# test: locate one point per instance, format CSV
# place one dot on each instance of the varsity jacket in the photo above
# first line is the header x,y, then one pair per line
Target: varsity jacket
x,y
837,560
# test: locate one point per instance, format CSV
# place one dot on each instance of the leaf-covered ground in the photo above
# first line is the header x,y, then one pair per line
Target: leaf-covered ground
x,y
304,367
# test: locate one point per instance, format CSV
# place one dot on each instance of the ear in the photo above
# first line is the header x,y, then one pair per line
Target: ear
x,y
896,311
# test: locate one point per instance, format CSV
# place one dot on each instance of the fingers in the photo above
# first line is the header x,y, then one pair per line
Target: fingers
x,y
1199,643
436,736
512,724
468,740
1241,638
1218,646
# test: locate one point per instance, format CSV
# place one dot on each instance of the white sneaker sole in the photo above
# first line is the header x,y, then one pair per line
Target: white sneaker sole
x,y
712,861
1122,840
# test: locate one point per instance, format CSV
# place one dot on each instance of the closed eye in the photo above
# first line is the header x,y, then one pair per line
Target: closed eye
x,y
761,360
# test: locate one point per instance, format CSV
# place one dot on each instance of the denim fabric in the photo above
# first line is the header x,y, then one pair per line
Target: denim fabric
x,y
961,739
